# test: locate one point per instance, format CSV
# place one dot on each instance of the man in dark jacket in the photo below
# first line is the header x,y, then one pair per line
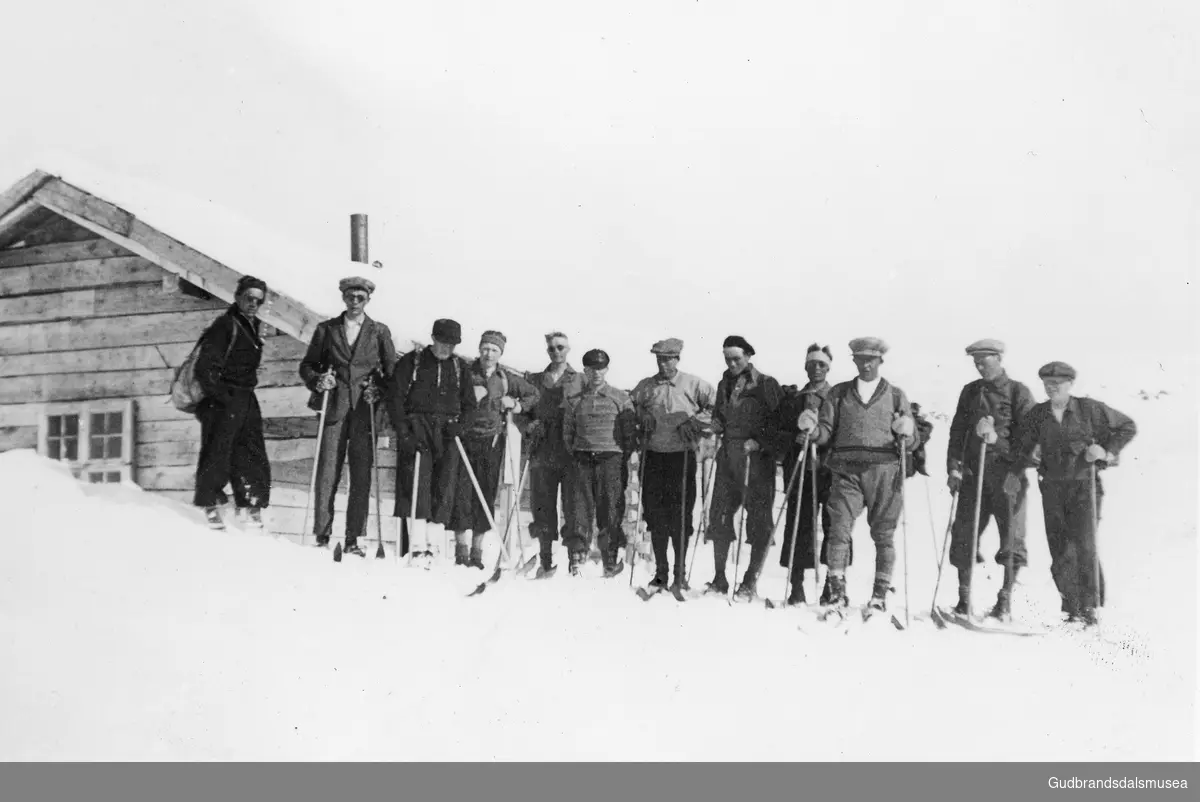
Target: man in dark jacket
x,y
1067,438
499,392
811,396
429,396
232,449
746,417
990,410
350,357
860,422
551,466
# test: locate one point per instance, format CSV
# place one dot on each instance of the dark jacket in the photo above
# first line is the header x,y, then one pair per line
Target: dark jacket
x,y
1085,421
220,376
811,396
487,420
548,413
423,385
754,414
1008,402
371,355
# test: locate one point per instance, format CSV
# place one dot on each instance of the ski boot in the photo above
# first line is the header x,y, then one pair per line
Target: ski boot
x,y
1003,609
352,547
546,566
462,554
838,601
475,560
747,591
681,583
1088,616
575,563
322,543
254,518
826,594
796,597
719,584
212,516
613,564
964,601
878,601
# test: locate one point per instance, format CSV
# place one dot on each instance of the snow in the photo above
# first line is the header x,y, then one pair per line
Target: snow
x,y
130,632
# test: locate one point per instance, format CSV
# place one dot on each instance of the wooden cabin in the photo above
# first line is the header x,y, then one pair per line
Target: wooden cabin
x,y
97,310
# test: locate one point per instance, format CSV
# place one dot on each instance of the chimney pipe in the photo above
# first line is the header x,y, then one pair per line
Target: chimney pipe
x,y
358,238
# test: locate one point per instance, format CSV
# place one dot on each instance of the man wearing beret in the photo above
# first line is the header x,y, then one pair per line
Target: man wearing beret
x,y
861,422
232,449
675,411
350,357
816,364
598,430
498,391
745,415
551,466
429,397
1066,437
990,410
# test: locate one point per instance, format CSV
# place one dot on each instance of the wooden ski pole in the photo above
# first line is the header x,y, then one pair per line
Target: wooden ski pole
x,y
637,523
904,527
416,484
797,470
487,511
1095,538
737,555
975,529
312,485
708,476
379,552
933,610
816,519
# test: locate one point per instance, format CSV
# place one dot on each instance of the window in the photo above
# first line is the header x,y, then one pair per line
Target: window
x,y
94,437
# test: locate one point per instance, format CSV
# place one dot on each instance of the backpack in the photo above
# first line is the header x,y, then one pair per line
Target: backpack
x,y
186,392
916,459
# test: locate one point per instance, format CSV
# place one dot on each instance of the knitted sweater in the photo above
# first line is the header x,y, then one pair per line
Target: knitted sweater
x,y
861,432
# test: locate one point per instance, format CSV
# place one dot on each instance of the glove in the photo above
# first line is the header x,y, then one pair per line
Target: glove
x,y
646,423
1036,456
807,421
510,403
903,426
1012,485
750,446
691,430
986,430
325,382
954,481
371,392
1096,453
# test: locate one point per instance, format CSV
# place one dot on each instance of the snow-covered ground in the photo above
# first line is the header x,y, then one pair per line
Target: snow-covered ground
x,y
129,632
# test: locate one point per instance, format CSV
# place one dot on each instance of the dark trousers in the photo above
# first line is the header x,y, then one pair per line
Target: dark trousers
x,y
879,488
669,501
350,436
1067,508
547,474
804,540
599,500
486,461
232,451
1009,512
729,493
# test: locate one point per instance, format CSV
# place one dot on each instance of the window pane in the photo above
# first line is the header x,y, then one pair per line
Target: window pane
x,y
53,448
96,478
113,451
71,424
114,477
71,447
96,447
54,423
115,422
98,423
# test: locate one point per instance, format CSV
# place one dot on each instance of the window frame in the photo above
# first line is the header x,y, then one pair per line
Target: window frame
x,y
84,465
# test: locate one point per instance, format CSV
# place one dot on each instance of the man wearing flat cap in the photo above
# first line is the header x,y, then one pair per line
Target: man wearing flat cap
x,y
745,415
1069,439
429,398
232,448
863,422
816,364
991,411
499,391
551,466
598,430
674,411
349,358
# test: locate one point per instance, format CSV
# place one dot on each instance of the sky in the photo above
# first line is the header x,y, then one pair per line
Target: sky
x,y
931,173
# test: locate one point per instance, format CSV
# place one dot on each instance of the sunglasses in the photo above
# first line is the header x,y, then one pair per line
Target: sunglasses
x,y
556,347
252,299
355,296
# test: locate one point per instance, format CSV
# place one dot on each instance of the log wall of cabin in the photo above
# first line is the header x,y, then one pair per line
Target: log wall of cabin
x,y
83,319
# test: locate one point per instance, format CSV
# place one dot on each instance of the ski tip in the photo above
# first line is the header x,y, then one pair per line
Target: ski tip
x,y
337,553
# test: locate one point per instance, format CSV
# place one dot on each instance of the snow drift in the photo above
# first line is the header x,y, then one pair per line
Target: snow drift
x,y
130,632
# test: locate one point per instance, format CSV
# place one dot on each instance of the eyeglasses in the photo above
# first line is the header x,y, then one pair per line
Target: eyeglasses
x,y
557,347
355,296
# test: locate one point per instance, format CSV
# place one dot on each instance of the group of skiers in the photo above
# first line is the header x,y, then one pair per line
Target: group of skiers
x,y
857,441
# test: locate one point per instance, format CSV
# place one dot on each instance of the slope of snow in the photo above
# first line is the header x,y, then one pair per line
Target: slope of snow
x,y
129,632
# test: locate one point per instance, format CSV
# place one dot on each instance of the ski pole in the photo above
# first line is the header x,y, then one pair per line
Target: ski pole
x,y
904,525
797,469
932,528
1096,600
708,476
933,611
412,521
379,552
737,555
487,511
312,485
816,528
975,527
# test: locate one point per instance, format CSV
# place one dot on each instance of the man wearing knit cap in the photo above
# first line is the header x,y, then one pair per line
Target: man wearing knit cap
x,y
499,391
551,466
991,410
816,364
232,448
1066,438
350,358
598,430
860,423
745,416
675,411
429,397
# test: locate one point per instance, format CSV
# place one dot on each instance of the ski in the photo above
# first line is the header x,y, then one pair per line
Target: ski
x,y
491,580
649,592
677,592
527,566
998,628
